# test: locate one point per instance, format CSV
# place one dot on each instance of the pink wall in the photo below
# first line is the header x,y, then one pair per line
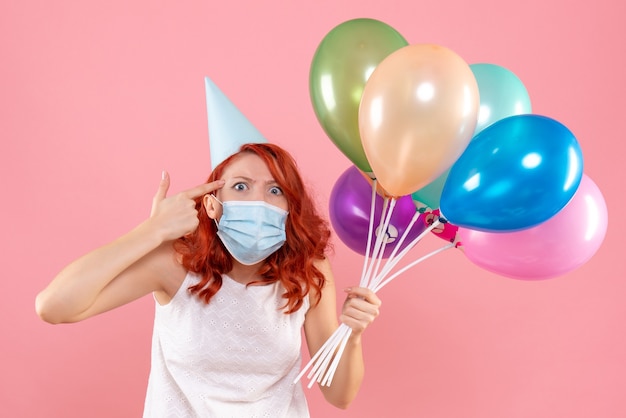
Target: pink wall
x,y
98,97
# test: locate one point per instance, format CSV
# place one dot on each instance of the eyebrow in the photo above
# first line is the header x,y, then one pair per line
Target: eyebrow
x,y
248,179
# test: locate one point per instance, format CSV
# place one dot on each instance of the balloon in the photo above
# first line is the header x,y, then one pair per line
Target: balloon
x,y
515,174
418,113
341,65
561,244
445,230
502,94
350,203
382,192
430,195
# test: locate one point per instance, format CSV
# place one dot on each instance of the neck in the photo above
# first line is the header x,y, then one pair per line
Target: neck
x,y
244,274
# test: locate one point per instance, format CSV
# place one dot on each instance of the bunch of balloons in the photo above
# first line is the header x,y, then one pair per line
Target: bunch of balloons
x,y
461,144
457,138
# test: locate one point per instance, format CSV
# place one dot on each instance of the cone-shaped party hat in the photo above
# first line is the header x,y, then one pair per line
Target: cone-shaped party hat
x,y
228,127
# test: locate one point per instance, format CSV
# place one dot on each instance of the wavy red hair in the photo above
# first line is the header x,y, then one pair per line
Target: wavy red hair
x,y
292,265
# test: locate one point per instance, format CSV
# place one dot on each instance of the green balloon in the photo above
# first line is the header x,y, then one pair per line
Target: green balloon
x,y
342,63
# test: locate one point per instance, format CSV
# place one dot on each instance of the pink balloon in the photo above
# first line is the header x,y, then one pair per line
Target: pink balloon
x,y
445,230
555,247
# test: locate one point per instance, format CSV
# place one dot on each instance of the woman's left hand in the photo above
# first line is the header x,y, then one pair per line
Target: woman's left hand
x,y
360,309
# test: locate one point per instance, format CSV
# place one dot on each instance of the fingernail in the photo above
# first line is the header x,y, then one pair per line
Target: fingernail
x,y
347,289
163,174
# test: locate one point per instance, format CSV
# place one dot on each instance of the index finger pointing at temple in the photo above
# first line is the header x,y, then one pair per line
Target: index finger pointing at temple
x,y
203,189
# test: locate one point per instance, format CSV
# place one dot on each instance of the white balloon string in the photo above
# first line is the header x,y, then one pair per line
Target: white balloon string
x,y
404,235
392,262
333,367
376,285
412,244
318,358
325,351
333,355
369,231
317,355
381,241
377,242
398,245
322,363
412,264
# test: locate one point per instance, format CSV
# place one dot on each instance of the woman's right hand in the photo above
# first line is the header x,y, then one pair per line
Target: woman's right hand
x,y
176,216
131,266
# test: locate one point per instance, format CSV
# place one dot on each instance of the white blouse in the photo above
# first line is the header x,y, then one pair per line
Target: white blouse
x,y
237,356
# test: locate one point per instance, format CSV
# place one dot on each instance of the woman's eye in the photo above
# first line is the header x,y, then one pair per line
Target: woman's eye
x,y
276,190
240,186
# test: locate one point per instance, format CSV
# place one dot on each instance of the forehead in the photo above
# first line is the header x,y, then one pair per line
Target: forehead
x,y
247,165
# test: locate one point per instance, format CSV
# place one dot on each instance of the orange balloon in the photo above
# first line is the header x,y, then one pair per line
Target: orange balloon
x,y
417,114
379,189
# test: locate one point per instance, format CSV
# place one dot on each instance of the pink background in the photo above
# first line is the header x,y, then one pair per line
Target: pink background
x,y
98,97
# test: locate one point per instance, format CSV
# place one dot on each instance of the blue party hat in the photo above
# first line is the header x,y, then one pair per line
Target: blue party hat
x,y
228,127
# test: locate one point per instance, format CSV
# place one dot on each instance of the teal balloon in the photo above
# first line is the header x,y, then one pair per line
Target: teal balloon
x,y
515,174
430,195
502,94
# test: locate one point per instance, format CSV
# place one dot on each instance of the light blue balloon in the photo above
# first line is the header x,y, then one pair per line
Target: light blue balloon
x,y
430,195
502,94
515,174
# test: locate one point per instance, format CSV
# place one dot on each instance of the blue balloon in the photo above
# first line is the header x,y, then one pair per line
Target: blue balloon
x,y
515,174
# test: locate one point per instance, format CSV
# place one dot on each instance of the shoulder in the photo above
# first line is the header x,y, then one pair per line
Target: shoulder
x,y
169,271
326,296
321,318
324,267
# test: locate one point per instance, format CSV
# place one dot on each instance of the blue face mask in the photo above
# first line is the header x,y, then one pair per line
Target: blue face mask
x,y
251,230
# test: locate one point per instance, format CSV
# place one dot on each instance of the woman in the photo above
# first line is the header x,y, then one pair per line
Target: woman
x,y
237,267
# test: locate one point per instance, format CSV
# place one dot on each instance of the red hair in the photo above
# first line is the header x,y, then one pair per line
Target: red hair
x,y
292,264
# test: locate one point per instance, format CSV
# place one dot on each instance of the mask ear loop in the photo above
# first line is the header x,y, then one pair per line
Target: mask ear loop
x,y
215,197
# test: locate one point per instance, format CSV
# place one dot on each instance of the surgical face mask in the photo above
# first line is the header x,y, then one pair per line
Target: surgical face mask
x,y
251,230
